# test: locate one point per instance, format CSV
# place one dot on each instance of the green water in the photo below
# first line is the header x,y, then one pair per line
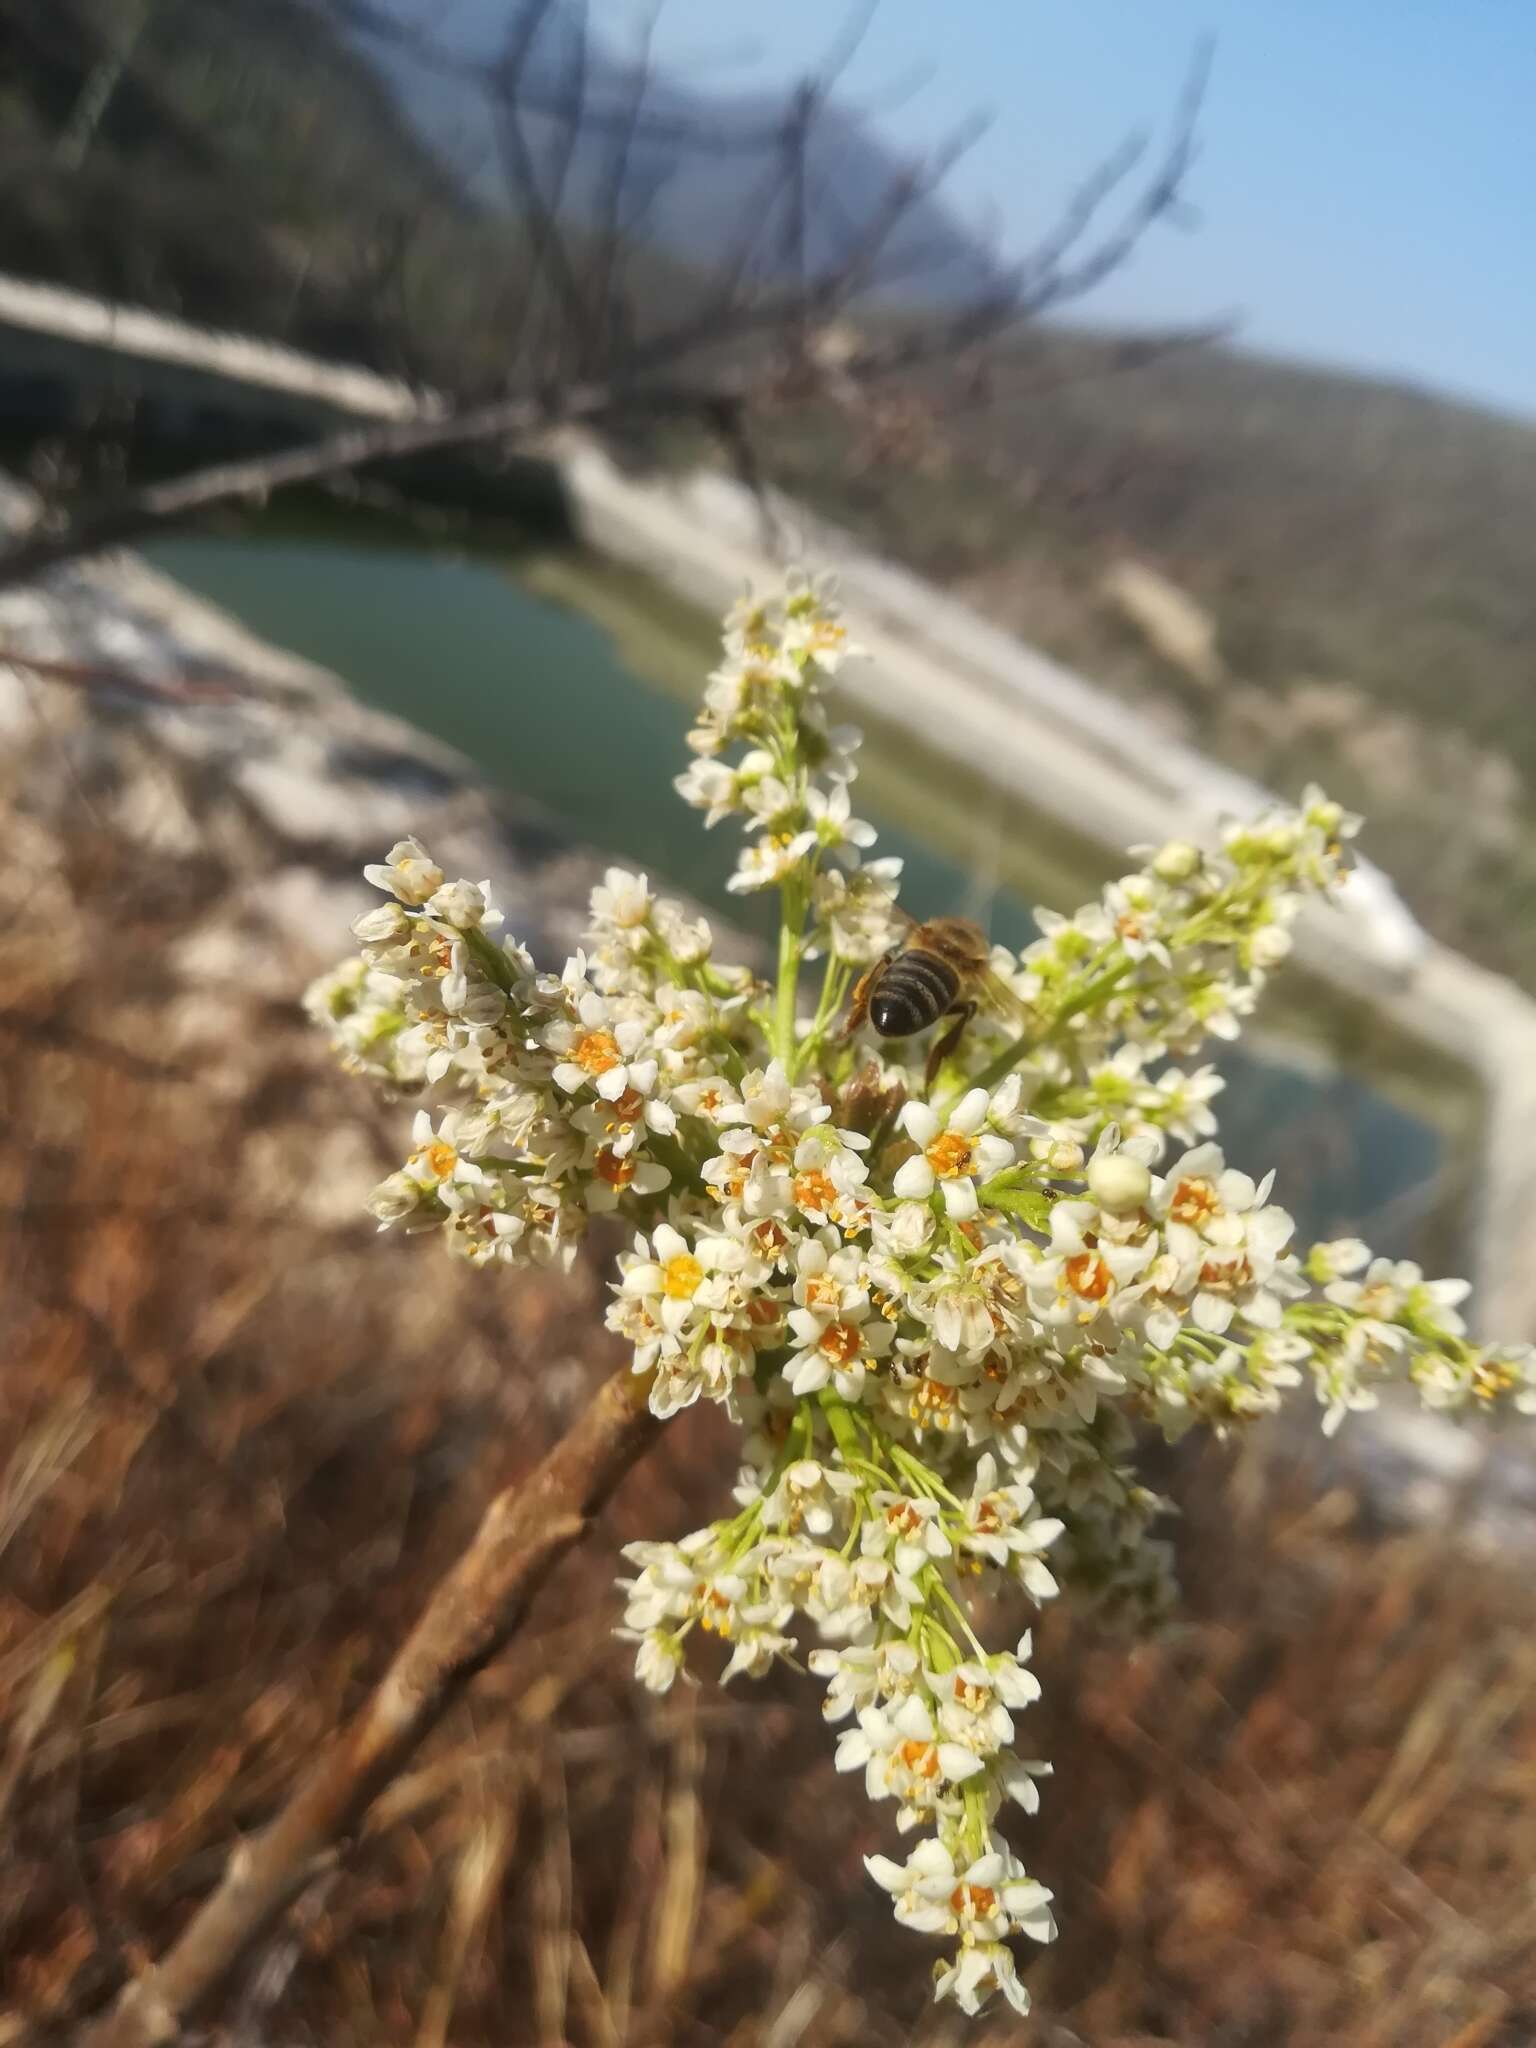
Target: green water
x,y
544,703
537,696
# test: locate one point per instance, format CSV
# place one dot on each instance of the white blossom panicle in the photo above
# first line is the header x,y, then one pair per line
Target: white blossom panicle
x,y
939,1313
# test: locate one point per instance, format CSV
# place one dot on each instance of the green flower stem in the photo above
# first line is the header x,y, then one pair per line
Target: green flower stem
x,y
834,986
1029,1204
1089,994
791,928
975,1818
921,1476
493,963
1086,995
844,1428
939,1645
935,1579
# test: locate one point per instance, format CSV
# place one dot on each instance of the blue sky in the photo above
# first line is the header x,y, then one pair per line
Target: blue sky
x,y
1367,186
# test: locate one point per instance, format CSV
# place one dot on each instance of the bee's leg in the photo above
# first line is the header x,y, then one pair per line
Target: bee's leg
x,y
941,1048
858,1002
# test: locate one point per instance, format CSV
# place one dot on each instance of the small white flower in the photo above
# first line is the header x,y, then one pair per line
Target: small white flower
x,y
622,901
904,1757
860,1674
838,1335
829,815
907,1529
709,786
765,863
658,1660
1396,1289
978,1971
810,1496
410,873
956,1151
463,905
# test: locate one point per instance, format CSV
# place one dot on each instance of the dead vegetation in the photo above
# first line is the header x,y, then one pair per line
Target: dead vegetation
x,y
243,1437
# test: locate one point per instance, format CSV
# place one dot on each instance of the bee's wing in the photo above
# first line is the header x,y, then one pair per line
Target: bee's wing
x,y
996,997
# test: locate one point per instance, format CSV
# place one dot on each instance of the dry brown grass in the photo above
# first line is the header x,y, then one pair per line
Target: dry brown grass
x,y
242,1436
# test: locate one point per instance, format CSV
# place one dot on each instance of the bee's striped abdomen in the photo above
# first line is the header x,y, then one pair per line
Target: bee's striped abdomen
x,y
913,992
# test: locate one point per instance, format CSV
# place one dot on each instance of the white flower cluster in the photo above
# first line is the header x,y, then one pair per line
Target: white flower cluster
x,y
790,783
936,1315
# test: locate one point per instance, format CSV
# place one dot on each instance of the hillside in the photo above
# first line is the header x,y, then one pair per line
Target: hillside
x,y
694,198
1357,555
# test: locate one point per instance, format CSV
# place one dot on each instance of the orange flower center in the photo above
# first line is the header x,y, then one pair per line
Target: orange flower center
x,y
932,1401
596,1052
920,1758
1227,1275
949,1154
840,1342
714,1611
1088,1276
441,1158
681,1277
1193,1201
629,1108
616,1171
979,1899
815,1191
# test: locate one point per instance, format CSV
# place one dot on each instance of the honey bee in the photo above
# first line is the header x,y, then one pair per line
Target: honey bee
x,y
940,969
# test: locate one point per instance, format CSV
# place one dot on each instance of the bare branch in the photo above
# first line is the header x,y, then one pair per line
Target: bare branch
x,y
601,116
748,332
568,122
1160,199
792,249
159,690
855,268
611,222
845,45
138,513
470,1617
552,258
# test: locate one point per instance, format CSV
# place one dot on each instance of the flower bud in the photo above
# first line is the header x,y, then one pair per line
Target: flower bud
x,y
1118,1182
460,904
1270,944
1176,862
378,926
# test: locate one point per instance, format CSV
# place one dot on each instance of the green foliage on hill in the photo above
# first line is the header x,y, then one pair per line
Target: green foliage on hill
x,y
246,169
1361,549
